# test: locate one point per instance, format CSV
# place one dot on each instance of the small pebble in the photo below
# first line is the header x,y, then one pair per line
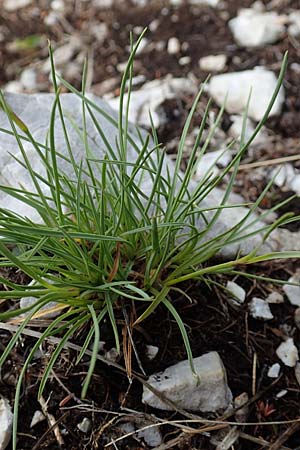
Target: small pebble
x,y
275,297
260,309
38,417
6,420
293,292
184,60
241,414
297,318
238,293
151,351
297,372
173,46
213,63
281,393
85,425
288,353
274,371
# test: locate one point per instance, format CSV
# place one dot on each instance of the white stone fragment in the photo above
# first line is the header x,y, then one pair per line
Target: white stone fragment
x,y
210,161
294,20
173,46
38,417
237,87
85,425
14,5
58,5
184,60
150,97
25,302
260,309
274,371
6,421
178,384
112,355
255,29
64,54
275,297
213,63
103,3
152,436
281,393
297,318
211,3
28,79
297,372
99,31
238,293
288,353
240,402
286,176
235,130
14,87
142,46
151,351
293,292
51,19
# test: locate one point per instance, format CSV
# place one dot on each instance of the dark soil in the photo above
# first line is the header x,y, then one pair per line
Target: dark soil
x,y
212,323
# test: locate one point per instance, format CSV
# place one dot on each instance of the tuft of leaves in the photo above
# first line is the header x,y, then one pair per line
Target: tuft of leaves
x,y
103,242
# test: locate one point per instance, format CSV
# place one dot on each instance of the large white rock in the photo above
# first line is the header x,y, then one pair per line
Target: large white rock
x,y
237,86
178,384
252,28
6,421
35,110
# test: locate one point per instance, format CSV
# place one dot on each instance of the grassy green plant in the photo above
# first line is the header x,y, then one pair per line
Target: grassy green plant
x,y
103,242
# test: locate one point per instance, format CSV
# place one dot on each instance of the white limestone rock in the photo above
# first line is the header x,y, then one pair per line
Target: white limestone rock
x,y
297,318
211,3
151,352
35,110
238,293
235,130
38,417
213,63
180,385
275,297
210,161
260,309
288,353
293,292
85,425
6,421
294,27
15,5
173,46
286,176
252,28
25,302
152,436
28,79
297,372
237,87
274,371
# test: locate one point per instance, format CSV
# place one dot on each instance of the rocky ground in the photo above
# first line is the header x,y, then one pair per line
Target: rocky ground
x,y
256,337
